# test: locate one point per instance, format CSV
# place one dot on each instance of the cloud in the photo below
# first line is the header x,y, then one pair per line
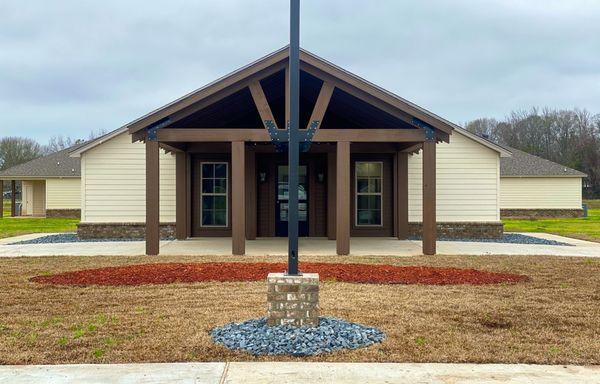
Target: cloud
x,y
70,67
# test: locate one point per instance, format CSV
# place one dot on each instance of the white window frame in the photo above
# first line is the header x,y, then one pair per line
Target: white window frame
x,y
356,194
226,194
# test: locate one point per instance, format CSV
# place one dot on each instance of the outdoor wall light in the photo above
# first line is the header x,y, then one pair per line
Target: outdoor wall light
x,y
320,177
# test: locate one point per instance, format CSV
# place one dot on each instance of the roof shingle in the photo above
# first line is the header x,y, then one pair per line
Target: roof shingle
x,y
523,164
57,164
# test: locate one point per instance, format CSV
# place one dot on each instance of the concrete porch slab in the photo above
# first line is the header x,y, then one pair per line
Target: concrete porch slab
x,y
359,246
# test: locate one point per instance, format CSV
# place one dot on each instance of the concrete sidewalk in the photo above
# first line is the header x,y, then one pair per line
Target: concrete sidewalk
x,y
291,372
308,246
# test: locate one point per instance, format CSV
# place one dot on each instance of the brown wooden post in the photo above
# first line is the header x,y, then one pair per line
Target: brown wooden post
x,y
181,195
1,198
429,198
152,198
343,198
251,202
402,195
13,198
238,212
188,201
331,195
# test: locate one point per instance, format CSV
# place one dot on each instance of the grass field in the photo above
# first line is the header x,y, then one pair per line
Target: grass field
x,y
553,319
21,226
586,228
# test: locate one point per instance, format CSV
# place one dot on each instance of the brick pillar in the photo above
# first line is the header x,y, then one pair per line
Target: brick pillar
x,y
293,300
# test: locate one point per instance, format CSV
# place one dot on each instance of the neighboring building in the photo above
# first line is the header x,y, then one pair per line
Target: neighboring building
x,y
532,187
50,185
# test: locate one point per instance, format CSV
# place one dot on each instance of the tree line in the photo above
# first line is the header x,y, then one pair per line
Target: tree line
x,y
16,150
567,137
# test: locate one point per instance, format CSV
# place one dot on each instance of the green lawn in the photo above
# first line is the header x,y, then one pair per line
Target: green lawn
x,y
21,226
586,228
6,208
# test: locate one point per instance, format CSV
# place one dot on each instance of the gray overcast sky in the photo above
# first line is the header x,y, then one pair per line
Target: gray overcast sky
x,y
70,67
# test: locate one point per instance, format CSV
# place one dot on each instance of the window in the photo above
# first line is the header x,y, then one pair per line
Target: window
x,y
369,180
214,181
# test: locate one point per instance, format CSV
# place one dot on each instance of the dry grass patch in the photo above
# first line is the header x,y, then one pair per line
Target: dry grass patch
x,y
553,319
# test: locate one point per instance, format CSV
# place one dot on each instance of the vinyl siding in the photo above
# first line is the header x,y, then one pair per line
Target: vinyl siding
x,y
114,182
467,182
63,193
37,198
540,192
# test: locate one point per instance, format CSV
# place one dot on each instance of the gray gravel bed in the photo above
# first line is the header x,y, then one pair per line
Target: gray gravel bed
x,y
70,238
512,238
257,338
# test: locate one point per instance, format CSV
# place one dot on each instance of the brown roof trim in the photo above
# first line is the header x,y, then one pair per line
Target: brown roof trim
x,y
277,57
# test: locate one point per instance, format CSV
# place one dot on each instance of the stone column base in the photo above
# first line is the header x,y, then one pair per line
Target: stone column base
x,y
64,213
530,214
293,300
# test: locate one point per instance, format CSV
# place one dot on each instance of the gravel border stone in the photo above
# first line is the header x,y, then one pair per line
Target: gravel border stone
x,y
257,338
510,238
70,238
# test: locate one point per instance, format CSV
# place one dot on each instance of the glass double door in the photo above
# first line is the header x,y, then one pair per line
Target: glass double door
x,y
281,214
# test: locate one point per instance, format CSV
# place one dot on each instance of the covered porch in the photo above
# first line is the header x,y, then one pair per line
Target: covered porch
x,y
229,146
22,197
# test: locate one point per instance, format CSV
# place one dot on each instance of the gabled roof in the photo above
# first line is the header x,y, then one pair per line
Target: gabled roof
x,y
55,165
76,152
523,164
306,59
277,57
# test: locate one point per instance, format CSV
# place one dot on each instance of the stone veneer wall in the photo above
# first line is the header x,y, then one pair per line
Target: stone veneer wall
x,y
121,230
540,213
456,230
64,213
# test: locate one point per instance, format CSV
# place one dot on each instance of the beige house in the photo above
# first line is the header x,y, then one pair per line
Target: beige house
x,y
532,187
113,187
216,169
50,186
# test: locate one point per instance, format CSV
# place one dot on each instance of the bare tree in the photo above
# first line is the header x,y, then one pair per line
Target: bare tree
x,y
17,150
58,143
568,137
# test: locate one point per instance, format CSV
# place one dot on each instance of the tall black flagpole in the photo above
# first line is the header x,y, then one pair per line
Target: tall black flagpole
x,y
294,73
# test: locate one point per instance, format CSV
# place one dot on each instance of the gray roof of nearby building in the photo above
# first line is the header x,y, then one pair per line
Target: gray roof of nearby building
x,y
57,164
522,164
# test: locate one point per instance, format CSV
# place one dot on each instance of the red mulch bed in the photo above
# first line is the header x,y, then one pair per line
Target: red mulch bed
x,y
168,273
